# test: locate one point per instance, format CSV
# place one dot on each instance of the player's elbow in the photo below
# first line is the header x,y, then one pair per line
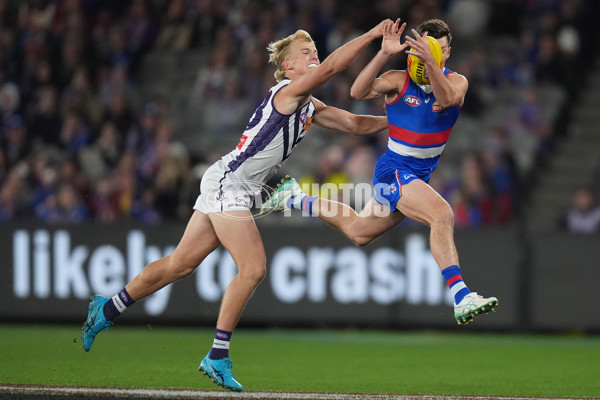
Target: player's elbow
x,y
357,93
451,99
339,68
329,68
361,241
354,125
449,102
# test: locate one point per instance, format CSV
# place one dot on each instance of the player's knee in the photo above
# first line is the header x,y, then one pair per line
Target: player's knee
x,y
361,241
182,266
445,217
255,274
182,272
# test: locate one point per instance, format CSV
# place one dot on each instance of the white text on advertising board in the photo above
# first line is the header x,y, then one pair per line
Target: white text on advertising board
x,y
46,264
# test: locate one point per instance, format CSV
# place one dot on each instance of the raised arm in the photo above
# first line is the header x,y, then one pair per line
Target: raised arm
x,y
304,84
344,121
449,90
367,85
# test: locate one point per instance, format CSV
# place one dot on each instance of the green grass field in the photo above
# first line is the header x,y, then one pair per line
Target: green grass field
x,y
309,360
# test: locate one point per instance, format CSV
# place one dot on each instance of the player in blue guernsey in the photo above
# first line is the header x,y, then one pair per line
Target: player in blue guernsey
x,y
420,119
222,212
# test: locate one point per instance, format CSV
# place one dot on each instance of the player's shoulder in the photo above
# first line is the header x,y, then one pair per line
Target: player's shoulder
x,y
317,103
397,79
394,74
281,84
454,75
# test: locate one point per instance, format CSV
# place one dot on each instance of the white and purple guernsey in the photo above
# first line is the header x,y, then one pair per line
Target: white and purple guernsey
x,y
268,140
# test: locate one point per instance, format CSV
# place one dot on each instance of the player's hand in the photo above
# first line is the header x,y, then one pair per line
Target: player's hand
x,y
420,45
391,38
379,30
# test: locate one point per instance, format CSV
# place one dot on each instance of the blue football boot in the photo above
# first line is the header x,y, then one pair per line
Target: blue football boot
x,y
220,372
95,322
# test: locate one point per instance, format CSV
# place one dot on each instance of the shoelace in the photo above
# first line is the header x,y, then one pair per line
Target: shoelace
x,y
89,324
94,321
228,371
474,295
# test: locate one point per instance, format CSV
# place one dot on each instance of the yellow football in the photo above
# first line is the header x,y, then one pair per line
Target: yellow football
x,y
416,68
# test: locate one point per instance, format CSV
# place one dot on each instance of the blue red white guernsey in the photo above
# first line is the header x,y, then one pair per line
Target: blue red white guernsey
x,y
419,127
268,140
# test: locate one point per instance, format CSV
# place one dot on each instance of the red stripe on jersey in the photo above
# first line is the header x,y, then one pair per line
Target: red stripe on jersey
x,y
419,139
402,91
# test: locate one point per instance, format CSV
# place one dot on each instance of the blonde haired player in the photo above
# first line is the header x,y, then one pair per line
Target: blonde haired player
x,y
222,211
420,119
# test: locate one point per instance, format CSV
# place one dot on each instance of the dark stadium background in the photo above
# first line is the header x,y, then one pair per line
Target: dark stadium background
x,y
112,110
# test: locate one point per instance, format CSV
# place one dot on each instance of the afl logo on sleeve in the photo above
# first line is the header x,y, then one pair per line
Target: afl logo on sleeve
x,y
412,101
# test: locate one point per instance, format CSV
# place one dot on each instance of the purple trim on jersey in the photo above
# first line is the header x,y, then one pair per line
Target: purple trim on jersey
x,y
258,114
298,141
266,134
286,132
261,140
286,141
297,126
296,130
277,121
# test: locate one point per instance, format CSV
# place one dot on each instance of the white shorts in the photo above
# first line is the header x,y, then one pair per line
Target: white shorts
x,y
221,192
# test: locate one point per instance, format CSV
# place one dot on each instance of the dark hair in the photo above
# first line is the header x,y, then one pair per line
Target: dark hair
x,y
436,28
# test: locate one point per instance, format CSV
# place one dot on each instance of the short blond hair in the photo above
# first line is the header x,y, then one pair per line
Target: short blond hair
x,y
278,51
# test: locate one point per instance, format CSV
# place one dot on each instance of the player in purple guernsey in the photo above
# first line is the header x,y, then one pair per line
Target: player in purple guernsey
x,y
222,212
420,121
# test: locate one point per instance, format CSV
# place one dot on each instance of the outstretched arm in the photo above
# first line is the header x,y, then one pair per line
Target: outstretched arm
x,y
296,93
344,121
367,85
448,90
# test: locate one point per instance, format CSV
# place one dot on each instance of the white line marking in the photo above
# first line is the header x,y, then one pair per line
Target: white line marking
x,y
210,394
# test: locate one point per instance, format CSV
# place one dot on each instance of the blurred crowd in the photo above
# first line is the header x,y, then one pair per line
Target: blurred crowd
x,y
583,215
81,143
78,142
